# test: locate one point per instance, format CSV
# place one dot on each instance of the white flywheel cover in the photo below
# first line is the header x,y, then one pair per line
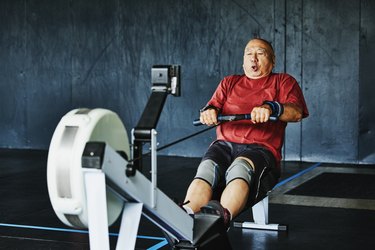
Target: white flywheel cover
x,y
64,171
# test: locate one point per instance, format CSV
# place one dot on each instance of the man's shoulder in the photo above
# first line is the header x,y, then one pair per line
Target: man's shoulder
x,y
282,75
283,78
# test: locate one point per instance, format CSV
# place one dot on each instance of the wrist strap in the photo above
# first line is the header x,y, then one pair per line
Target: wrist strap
x,y
276,107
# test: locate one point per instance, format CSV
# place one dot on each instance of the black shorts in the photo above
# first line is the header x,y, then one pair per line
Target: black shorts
x,y
266,171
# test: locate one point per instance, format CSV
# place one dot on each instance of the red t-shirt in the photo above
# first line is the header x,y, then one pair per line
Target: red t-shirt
x,y
238,94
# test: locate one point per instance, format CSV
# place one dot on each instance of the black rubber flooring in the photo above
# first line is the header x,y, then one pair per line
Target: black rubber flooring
x,y
338,185
27,220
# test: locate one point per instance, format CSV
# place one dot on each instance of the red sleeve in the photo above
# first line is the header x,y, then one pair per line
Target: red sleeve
x,y
220,95
225,86
290,92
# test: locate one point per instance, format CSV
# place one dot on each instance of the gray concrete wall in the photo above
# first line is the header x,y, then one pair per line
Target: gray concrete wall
x,y
59,55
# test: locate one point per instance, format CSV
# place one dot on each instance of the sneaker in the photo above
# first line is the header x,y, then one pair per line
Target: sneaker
x,y
214,207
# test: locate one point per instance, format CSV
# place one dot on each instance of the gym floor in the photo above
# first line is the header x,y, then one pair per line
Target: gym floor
x,y
325,206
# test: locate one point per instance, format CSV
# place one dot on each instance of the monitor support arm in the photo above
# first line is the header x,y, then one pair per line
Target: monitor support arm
x,y
165,80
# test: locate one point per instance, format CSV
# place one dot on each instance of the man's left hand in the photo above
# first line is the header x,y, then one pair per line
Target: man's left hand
x,y
261,114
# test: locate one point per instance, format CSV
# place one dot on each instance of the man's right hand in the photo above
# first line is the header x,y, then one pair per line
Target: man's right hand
x,y
209,117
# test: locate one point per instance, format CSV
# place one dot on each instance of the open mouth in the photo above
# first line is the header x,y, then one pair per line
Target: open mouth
x,y
254,67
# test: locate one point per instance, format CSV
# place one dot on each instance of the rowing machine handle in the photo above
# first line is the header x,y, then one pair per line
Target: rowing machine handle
x,y
228,118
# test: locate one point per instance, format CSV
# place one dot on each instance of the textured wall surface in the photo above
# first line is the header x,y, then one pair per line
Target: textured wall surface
x,y
59,55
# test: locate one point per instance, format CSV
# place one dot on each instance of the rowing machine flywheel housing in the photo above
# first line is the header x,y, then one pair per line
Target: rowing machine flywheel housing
x,y
64,170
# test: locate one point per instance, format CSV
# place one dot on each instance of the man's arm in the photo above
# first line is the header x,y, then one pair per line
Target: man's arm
x,y
291,113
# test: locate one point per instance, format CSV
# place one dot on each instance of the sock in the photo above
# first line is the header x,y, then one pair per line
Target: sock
x,y
188,209
230,214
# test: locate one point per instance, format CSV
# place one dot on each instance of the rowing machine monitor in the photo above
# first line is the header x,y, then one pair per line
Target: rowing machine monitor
x,y
166,77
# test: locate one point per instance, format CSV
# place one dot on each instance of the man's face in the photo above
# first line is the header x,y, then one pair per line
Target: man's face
x,y
258,59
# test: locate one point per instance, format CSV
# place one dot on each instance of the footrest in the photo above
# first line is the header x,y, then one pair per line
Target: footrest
x,y
252,225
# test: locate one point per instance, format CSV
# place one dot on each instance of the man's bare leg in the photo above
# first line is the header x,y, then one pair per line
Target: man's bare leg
x,y
198,194
235,196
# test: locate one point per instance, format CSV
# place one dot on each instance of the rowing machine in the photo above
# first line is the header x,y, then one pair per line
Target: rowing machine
x,y
91,181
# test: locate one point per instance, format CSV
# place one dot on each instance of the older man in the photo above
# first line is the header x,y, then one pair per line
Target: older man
x,y
245,158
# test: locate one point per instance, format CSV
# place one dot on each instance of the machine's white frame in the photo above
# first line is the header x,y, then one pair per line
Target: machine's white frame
x,y
145,195
260,217
95,186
